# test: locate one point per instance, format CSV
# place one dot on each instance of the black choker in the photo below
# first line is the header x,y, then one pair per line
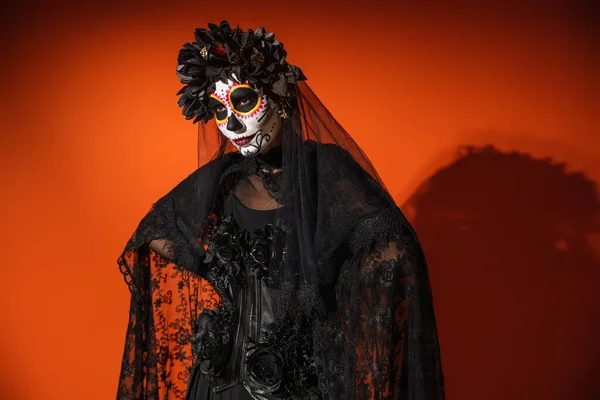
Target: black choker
x,y
272,181
264,166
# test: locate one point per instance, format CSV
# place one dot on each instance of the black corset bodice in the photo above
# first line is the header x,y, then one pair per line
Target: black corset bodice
x,y
253,346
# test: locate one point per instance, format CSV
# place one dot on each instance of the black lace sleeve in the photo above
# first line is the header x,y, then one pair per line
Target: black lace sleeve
x,y
386,310
166,297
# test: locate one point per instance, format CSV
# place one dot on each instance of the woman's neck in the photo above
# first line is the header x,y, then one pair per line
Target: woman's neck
x,y
272,157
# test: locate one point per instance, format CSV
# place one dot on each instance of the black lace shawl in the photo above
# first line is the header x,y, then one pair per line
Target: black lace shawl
x,y
351,250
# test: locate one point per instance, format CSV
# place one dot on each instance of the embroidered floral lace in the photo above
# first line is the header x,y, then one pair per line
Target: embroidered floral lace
x,y
345,310
189,325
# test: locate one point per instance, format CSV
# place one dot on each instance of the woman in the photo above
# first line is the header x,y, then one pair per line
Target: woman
x,y
281,268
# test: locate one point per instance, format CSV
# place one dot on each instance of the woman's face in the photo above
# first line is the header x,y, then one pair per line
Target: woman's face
x,y
250,121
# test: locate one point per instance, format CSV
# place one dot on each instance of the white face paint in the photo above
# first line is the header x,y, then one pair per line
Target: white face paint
x,y
250,121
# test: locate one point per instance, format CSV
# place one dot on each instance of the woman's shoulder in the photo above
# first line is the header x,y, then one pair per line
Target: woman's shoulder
x,y
204,171
209,170
330,151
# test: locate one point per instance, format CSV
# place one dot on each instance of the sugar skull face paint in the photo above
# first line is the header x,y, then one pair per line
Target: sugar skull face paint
x,y
250,121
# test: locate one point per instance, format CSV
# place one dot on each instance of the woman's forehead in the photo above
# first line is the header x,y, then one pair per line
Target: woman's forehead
x,y
223,90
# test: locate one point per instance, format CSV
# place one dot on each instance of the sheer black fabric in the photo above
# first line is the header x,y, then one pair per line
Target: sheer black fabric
x,y
345,277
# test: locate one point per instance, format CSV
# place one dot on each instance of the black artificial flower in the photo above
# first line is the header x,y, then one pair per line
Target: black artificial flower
x,y
297,354
264,365
212,340
226,229
260,254
225,253
283,364
232,251
220,52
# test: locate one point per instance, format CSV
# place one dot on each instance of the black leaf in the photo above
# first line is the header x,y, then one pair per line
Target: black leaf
x,y
244,39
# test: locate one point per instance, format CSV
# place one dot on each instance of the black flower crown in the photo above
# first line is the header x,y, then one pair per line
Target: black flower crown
x,y
220,53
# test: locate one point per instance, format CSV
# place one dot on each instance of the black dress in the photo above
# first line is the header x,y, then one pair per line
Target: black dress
x,y
251,220
352,311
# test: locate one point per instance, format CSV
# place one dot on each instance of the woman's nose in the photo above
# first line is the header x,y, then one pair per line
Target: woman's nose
x,y
234,124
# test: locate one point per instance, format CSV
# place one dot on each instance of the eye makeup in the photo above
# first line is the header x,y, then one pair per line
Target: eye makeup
x,y
244,100
215,104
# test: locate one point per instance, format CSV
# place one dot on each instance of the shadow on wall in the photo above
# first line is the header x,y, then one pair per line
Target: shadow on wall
x,y
510,242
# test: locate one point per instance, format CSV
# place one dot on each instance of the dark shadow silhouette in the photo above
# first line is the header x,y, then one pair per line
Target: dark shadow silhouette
x,y
516,284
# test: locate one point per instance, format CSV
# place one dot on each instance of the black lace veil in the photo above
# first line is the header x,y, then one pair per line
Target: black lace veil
x,y
322,171
354,267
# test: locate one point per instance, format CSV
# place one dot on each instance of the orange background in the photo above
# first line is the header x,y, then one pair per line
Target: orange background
x,y
92,136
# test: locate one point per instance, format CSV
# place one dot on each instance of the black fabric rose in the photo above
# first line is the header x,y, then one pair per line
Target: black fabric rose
x,y
228,227
212,340
225,253
297,356
284,365
260,254
267,248
232,251
264,365
294,352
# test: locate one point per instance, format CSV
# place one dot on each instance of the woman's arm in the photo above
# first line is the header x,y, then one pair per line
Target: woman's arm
x,y
387,315
162,247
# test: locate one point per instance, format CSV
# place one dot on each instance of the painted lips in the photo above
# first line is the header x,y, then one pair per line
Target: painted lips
x,y
243,141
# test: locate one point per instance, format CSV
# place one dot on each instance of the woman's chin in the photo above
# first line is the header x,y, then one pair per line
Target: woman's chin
x,y
248,150
252,148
